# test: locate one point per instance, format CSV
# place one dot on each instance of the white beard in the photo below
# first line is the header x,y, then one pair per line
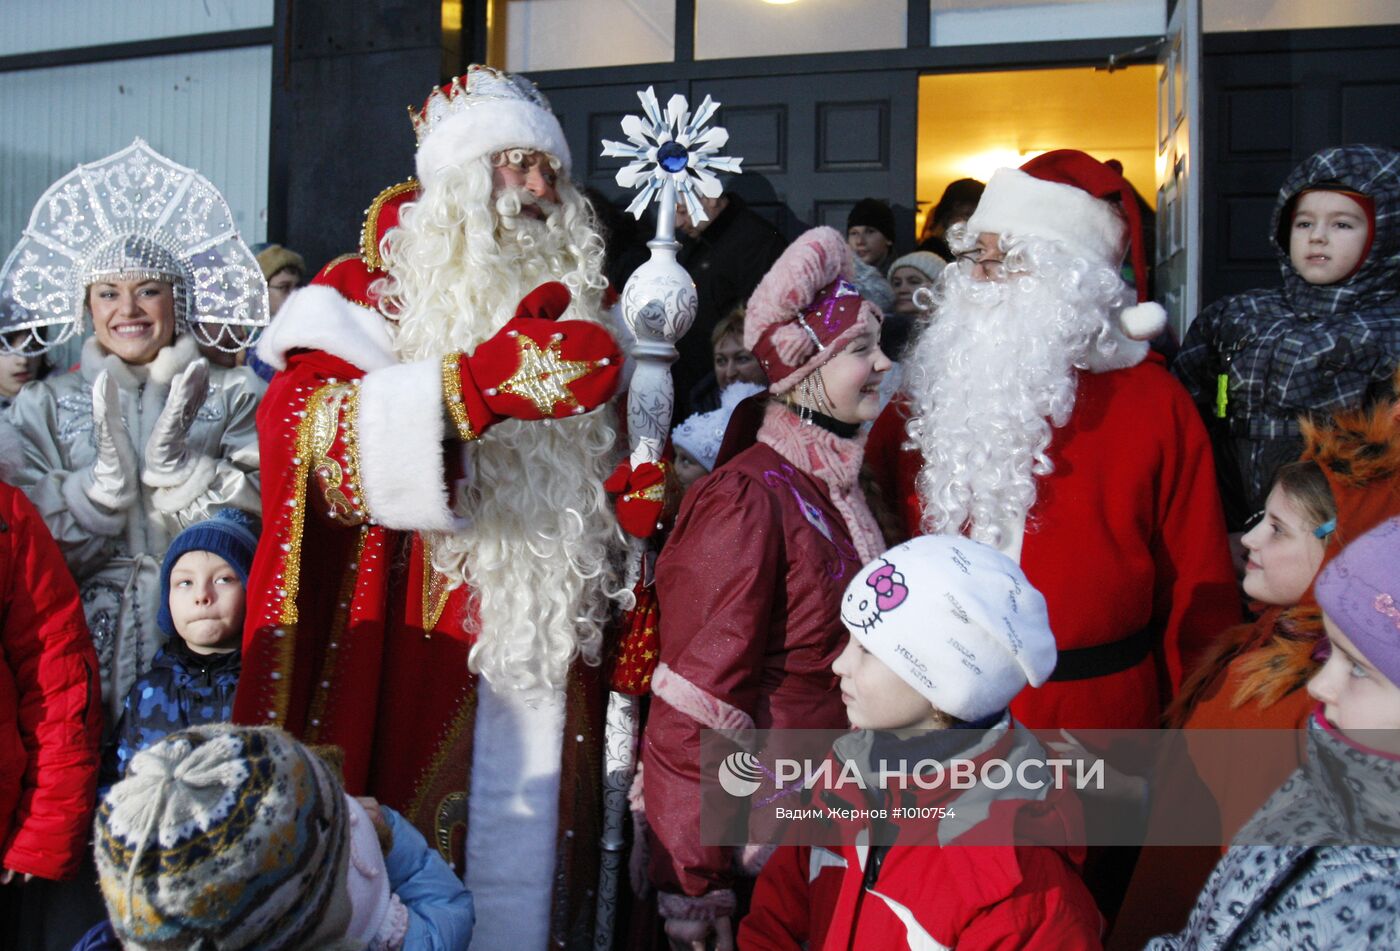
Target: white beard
x,y
990,378
542,551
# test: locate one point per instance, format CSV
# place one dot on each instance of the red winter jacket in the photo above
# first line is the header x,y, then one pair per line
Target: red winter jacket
x,y
50,709
956,882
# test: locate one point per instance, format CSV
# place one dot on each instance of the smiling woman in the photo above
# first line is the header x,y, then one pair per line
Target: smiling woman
x,y
142,438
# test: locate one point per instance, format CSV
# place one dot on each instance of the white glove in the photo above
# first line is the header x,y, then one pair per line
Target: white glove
x,y
168,457
112,479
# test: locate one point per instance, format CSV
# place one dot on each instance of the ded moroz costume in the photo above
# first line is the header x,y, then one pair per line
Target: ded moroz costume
x,y
439,558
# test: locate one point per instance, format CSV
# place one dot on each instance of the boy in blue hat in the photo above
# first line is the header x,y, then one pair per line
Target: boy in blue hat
x,y
193,676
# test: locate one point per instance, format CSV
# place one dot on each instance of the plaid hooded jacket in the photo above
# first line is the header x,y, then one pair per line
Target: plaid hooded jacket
x,y
1301,348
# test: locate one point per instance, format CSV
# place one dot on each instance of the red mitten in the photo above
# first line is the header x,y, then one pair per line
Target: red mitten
x,y
641,495
535,368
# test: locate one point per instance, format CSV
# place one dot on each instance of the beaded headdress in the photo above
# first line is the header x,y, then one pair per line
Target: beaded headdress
x,y
134,215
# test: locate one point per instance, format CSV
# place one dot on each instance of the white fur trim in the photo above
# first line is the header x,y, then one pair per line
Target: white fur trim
x,y
1143,321
514,811
487,127
167,362
1129,353
401,430
318,318
11,450
84,511
193,483
1017,203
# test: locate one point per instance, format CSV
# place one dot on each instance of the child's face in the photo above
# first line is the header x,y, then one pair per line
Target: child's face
x,y
852,379
688,469
1328,237
877,698
1284,554
206,602
1356,696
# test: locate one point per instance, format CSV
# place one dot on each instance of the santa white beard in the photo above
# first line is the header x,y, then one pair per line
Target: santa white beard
x,y
993,374
542,550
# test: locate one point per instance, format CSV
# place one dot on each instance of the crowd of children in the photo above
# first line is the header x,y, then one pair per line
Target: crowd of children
x,y
784,602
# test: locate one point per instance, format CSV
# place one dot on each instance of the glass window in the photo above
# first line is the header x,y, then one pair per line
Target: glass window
x,y
34,25
728,28
1225,16
977,22
579,34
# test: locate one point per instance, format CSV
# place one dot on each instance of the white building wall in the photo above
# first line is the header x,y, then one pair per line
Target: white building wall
x,y
33,25
210,111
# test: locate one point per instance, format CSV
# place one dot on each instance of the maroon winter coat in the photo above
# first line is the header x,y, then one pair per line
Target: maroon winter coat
x,y
749,584
50,704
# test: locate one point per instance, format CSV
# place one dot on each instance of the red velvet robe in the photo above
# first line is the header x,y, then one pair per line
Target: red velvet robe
x,y
1126,533
352,639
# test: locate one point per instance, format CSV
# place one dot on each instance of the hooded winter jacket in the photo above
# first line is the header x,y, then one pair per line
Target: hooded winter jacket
x,y
1301,348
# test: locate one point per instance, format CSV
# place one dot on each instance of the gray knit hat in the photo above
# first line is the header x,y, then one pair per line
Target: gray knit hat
x,y
225,837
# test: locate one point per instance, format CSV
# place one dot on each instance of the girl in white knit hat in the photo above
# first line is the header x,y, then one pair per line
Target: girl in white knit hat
x,y
944,633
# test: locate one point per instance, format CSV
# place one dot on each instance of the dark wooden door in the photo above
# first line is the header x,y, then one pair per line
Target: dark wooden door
x,y
1271,100
813,144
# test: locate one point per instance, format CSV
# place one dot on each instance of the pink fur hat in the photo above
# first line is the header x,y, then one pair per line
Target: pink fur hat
x,y
805,310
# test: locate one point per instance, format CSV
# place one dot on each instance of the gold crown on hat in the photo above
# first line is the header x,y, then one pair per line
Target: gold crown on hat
x,y
477,85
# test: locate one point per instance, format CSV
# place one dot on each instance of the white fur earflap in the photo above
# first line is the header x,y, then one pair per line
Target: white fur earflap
x,y
1143,321
318,318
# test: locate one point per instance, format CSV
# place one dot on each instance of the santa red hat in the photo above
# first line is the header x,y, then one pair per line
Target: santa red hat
x,y
479,113
1064,196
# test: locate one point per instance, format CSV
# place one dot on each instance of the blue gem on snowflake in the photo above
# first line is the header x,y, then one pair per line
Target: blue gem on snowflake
x,y
673,156
672,146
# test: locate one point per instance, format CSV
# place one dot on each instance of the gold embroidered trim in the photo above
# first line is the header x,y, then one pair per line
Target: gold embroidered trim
x,y
452,396
369,233
334,413
543,375
436,590
321,691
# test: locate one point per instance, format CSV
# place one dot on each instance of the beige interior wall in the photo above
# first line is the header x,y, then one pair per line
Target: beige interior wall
x,y
973,123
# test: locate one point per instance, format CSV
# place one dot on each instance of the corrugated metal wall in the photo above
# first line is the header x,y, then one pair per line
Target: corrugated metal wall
x,y
33,25
210,111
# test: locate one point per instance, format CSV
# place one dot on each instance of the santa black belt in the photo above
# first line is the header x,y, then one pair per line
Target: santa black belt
x,y
1086,663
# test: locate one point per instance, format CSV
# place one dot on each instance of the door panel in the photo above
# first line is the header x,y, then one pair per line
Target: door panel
x,y
1177,268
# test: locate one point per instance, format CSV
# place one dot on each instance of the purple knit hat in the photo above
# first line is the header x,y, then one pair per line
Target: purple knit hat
x,y
1360,591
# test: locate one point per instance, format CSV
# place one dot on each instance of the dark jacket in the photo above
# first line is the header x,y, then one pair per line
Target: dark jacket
x,y
1300,348
182,689
726,261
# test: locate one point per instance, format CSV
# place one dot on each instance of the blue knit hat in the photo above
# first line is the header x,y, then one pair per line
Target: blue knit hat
x,y
232,534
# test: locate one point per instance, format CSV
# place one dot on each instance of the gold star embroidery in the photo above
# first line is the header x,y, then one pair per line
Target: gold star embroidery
x,y
544,375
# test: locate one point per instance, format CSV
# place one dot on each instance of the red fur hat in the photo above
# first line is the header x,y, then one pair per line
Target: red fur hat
x,y
805,310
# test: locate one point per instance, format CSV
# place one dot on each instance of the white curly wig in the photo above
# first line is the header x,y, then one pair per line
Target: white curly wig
x,y
542,552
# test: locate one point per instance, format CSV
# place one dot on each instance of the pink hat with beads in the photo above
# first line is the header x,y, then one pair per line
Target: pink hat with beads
x,y
806,310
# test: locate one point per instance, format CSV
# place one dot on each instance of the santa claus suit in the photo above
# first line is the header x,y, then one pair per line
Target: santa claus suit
x,y
1125,536
354,637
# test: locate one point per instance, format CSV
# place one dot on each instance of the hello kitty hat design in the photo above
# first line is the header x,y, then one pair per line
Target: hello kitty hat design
x,y
956,620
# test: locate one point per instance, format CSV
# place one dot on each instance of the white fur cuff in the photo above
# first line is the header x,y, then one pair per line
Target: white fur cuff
x,y
188,486
400,430
85,512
